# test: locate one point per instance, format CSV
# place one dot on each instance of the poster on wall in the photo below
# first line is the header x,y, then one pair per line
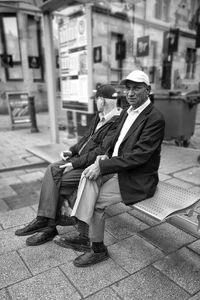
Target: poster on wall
x,y
73,62
143,46
18,107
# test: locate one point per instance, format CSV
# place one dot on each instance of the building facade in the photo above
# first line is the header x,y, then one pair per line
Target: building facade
x,y
98,42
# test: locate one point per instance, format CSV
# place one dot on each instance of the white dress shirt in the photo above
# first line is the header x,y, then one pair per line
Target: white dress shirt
x,y
132,115
105,118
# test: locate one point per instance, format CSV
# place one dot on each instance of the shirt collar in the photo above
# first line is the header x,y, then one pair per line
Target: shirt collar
x,y
113,112
139,109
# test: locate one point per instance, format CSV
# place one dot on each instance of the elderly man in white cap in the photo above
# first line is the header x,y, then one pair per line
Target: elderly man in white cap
x,y
127,173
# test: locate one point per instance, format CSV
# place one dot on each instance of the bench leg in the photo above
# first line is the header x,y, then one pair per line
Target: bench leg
x,y
190,211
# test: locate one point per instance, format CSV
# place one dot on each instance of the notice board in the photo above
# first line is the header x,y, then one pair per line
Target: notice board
x,y
18,107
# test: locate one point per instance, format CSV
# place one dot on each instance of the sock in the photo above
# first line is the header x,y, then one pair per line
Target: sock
x,y
83,229
98,247
50,222
42,219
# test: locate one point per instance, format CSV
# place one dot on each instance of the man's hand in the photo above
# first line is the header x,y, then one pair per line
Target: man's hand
x,y
67,167
92,172
101,157
66,154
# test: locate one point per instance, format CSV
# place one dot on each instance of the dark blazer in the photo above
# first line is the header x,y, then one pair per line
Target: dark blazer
x,y
138,158
96,143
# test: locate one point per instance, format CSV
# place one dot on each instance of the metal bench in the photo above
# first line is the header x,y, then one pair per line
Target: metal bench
x,y
170,200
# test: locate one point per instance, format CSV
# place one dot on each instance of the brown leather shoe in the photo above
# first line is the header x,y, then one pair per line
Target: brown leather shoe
x,y
77,243
33,227
42,237
90,258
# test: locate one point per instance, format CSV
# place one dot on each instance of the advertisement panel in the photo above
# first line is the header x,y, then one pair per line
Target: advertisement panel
x,y
73,62
18,107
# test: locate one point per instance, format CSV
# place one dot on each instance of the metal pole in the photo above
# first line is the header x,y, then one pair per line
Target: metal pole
x,y
32,113
50,76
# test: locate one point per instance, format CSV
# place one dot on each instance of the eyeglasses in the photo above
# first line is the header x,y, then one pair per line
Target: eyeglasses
x,y
98,98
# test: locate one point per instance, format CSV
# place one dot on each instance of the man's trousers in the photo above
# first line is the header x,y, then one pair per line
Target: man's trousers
x,y
92,199
55,185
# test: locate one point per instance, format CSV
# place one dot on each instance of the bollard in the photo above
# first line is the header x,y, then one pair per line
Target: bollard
x,y
31,104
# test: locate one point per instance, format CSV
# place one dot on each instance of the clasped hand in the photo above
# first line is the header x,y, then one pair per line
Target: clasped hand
x,y
67,167
66,154
93,171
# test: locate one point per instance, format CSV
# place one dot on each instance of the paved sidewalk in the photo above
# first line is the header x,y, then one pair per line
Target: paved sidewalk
x,y
148,260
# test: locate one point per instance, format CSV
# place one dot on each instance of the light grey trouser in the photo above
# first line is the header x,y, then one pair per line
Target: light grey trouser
x,y
92,199
55,184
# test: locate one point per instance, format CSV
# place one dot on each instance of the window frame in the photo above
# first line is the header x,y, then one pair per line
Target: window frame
x,y
4,46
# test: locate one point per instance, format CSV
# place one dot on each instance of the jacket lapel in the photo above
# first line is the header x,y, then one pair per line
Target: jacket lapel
x,y
138,121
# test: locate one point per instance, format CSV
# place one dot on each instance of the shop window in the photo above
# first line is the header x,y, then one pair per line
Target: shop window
x,y
162,10
34,47
10,48
190,63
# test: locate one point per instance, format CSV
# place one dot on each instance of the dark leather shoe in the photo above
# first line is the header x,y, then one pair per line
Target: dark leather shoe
x,y
77,243
32,227
90,258
65,221
42,237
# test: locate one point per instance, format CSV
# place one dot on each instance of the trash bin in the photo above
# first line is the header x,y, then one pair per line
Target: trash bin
x,y
179,110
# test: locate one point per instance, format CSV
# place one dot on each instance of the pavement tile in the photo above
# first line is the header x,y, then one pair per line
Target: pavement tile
x,y
31,176
105,294
109,239
117,209
134,253
4,295
19,201
195,297
35,207
10,242
46,256
191,175
12,173
16,217
3,206
143,217
124,225
149,284
9,180
167,237
26,188
195,246
195,189
180,183
174,161
6,191
163,177
183,267
12,269
94,278
16,163
50,285
34,160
